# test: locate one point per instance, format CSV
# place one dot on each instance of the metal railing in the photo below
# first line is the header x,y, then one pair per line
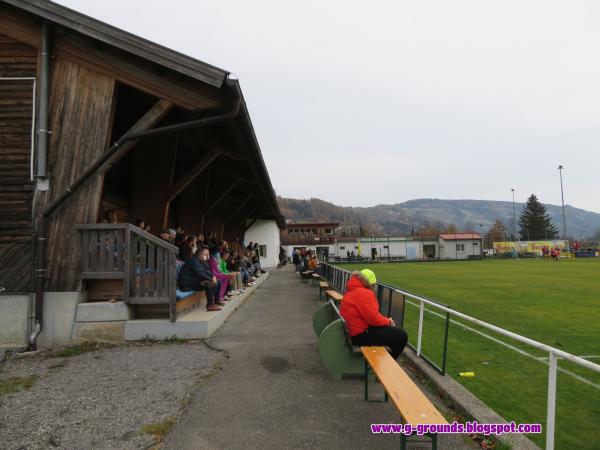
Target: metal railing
x,y
338,275
307,239
392,303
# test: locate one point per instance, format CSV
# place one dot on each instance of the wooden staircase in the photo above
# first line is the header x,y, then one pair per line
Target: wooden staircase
x,y
122,262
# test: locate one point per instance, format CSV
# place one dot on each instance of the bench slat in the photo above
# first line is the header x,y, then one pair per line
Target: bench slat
x,y
334,295
410,401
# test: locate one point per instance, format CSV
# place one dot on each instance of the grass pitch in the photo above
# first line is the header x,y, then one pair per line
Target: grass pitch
x,y
557,303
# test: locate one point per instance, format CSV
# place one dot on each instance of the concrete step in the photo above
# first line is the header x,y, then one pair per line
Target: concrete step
x,y
195,324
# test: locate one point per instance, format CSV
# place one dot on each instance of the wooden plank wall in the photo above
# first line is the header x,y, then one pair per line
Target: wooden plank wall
x,y
16,187
81,111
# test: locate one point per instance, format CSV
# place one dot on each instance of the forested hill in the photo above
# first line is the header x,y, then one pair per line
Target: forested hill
x,y
431,213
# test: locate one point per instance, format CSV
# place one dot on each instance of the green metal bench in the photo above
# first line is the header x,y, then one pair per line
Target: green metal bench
x,y
323,317
337,353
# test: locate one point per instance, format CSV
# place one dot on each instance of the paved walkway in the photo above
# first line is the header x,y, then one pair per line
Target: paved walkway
x,y
274,393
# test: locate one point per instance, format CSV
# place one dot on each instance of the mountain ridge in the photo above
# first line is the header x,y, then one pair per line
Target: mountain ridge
x,y
424,213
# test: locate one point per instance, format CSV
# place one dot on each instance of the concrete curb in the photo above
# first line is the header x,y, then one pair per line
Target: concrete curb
x,y
465,402
194,324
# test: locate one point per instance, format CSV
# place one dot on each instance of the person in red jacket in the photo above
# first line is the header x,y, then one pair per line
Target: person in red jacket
x,y
366,325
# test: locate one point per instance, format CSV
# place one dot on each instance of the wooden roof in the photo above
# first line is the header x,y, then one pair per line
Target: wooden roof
x,y
123,40
182,81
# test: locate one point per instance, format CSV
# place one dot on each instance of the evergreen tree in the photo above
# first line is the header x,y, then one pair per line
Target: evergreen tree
x,y
535,223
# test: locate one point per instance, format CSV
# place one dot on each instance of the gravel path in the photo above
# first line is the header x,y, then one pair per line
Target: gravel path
x,y
102,398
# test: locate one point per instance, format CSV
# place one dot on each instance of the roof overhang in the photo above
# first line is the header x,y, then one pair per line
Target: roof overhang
x,y
123,40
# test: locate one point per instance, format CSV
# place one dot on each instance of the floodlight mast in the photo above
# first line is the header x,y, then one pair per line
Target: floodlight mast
x,y
562,196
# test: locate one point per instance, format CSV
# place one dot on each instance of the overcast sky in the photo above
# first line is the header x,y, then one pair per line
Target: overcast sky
x,y
363,105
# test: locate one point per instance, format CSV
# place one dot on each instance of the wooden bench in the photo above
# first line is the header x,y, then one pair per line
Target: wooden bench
x,y
334,295
316,277
307,275
323,286
195,300
414,407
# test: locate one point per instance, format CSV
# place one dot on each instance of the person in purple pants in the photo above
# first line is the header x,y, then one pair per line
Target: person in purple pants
x,y
221,277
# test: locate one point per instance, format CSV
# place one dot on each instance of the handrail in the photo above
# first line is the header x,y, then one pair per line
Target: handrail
x,y
145,263
102,226
539,345
536,344
133,228
153,239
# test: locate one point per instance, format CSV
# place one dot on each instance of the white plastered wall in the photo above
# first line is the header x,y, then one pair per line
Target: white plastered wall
x,y
265,232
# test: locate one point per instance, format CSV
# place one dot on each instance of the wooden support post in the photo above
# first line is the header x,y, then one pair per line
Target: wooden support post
x,y
165,219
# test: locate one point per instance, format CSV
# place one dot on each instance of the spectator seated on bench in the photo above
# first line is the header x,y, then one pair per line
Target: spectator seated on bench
x,y
180,295
234,265
187,247
366,325
195,275
247,263
223,279
235,278
255,260
336,350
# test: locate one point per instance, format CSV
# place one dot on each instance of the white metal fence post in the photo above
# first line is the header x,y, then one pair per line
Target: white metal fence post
x,y
420,333
551,413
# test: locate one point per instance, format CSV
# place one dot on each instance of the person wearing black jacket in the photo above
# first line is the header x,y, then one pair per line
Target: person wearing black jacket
x,y
195,275
233,265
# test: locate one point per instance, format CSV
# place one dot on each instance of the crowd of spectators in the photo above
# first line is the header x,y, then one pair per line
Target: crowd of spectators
x,y
205,263
305,260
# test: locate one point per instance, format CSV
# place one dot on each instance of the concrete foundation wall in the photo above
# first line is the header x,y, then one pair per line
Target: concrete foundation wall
x,y
59,316
14,316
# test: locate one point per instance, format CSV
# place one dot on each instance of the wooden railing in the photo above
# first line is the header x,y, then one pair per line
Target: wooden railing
x,y
307,238
145,263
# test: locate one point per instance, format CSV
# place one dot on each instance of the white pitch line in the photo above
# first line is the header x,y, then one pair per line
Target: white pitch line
x,y
512,347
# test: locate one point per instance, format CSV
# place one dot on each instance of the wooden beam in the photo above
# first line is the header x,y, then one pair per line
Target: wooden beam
x,y
165,218
206,196
221,197
192,174
193,137
238,209
147,121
